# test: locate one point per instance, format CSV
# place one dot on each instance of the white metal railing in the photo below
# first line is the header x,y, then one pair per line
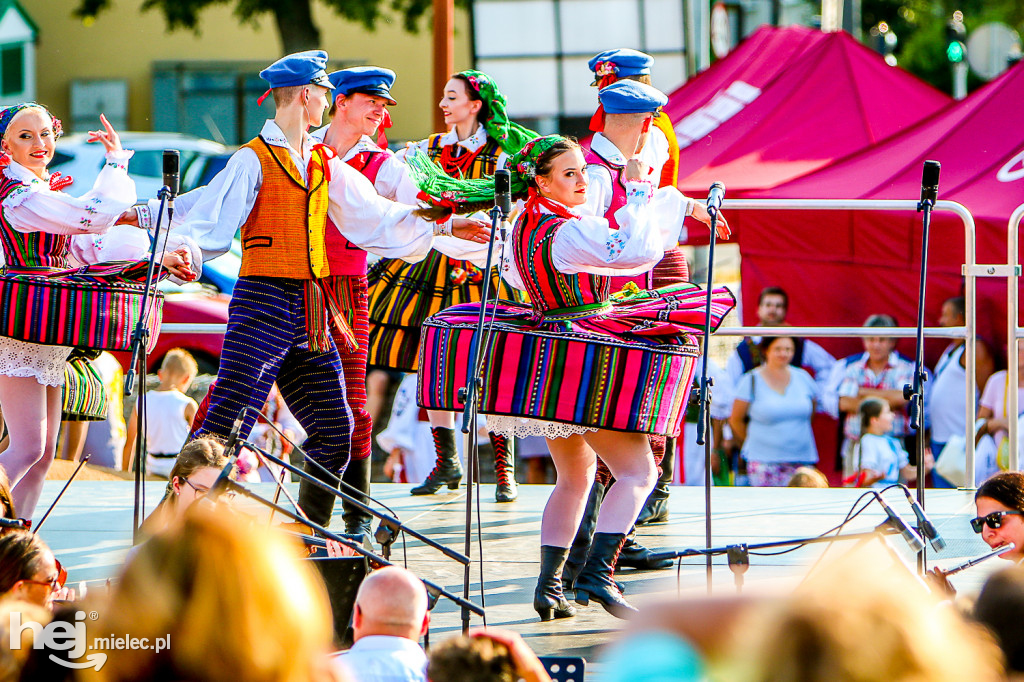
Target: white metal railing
x,y
1012,330
971,271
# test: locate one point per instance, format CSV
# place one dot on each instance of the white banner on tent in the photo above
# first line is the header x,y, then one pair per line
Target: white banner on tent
x,y
720,109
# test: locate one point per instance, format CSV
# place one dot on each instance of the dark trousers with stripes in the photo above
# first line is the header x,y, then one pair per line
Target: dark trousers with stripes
x,y
266,341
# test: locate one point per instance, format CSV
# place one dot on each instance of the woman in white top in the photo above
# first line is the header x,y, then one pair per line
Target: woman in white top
x,y
36,227
994,405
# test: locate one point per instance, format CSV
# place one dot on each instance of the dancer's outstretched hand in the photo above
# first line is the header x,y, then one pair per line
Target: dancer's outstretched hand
x,y
471,229
179,264
700,212
108,137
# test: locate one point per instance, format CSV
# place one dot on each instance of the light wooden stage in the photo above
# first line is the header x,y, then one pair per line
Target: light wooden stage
x,y
90,531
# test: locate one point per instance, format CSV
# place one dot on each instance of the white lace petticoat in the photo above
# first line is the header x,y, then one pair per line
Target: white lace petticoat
x,y
523,427
44,363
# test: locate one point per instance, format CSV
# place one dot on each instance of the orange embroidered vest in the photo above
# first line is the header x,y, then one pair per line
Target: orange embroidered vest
x,y
284,234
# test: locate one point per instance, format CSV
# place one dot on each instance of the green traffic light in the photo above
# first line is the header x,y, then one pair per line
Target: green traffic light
x,y
955,52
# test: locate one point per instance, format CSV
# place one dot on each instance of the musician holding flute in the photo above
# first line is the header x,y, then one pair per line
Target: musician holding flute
x,y
38,222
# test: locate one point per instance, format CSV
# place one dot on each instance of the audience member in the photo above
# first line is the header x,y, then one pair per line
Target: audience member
x,y
771,416
169,413
388,619
878,372
994,406
29,571
6,501
879,460
808,477
946,407
234,598
999,607
486,655
14,652
772,307
195,470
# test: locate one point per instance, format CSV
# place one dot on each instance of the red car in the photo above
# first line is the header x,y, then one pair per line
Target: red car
x,y
191,306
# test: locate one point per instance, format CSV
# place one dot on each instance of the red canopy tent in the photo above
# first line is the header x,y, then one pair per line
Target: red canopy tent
x,y
786,102
842,266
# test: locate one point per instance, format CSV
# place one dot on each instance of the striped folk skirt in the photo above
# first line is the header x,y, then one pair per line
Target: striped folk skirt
x,y
628,368
84,396
403,295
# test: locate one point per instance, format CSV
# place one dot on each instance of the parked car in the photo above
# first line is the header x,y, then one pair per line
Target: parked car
x,y
192,304
200,160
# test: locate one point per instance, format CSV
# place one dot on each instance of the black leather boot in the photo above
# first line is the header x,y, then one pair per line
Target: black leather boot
x,y
635,555
316,502
358,522
548,599
655,509
596,581
507,489
584,534
447,468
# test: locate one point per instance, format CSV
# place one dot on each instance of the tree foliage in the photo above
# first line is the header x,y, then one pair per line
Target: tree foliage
x,y
920,26
293,18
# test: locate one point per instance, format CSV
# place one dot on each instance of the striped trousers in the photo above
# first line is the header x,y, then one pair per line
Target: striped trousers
x,y
351,293
266,341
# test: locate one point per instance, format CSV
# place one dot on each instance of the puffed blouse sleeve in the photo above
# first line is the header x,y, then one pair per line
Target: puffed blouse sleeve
x,y
589,243
37,208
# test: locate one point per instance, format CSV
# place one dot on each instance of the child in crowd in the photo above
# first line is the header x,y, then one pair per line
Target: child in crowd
x,y
169,413
881,459
808,477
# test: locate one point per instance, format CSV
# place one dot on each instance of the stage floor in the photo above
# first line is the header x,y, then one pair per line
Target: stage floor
x,y
90,532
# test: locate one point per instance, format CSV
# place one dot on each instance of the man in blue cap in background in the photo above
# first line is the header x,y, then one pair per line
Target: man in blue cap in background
x,y
278,190
628,107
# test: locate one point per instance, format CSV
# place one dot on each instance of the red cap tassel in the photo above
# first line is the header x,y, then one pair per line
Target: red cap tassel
x,y
597,120
259,102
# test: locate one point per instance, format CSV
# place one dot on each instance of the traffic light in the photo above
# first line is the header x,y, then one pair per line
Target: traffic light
x,y
956,36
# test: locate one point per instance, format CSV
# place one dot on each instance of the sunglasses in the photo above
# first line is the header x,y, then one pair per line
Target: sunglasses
x,y
993,520
54,584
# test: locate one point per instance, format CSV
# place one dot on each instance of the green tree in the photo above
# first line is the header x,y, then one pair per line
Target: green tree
x,y
293,18
920,26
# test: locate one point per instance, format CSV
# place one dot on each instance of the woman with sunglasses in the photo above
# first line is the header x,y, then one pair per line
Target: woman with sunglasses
x,y
1000,506
29,571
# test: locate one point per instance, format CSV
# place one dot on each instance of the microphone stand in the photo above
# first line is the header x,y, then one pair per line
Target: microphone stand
x,y
140,345
470,396
225,484
704,399
393,524
915,394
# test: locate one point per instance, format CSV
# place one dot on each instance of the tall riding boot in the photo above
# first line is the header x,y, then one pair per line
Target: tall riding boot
x,y
507,489
447,468
655,509
584,534
635,555
596,581
357,521
315,501
548,599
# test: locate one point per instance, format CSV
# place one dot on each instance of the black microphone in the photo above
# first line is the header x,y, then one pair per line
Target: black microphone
x,y
503,191
908,533
929,184
172,162
715,196
924,524
232,441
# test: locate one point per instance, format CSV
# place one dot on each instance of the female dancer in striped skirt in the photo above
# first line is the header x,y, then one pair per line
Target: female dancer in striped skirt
x,y
403,295
37,222
593,373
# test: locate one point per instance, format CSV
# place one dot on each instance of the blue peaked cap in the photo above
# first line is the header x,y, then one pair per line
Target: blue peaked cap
x,y
631,97
301,68
370,80
624,61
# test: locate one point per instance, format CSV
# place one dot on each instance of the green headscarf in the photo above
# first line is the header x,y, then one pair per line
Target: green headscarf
x,y
509,134
435,183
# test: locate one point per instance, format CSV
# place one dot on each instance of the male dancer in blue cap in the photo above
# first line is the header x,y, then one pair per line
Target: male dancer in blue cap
x,y
279,190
